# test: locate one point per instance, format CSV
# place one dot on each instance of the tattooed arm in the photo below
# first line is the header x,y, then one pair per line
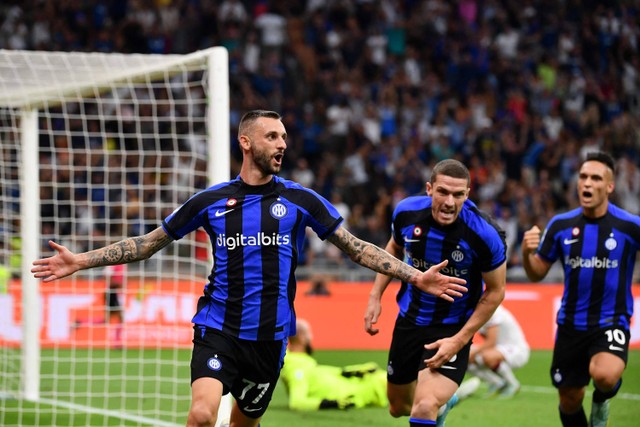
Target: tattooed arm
x,y
379,260
132,249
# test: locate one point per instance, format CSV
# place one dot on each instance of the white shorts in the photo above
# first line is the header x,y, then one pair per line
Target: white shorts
x,y
515,355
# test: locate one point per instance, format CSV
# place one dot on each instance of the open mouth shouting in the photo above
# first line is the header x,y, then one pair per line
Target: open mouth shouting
x,y
587,195
278,158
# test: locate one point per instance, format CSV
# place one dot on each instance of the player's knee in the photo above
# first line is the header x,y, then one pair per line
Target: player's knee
x,y
201,415
491,358
605,380
425,407
399,408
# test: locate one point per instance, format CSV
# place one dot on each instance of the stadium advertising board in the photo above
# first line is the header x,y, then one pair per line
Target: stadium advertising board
x,y
158,314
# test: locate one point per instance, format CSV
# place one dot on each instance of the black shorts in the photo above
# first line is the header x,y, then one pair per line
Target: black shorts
x,y
112,301
573,351
247,369
407,352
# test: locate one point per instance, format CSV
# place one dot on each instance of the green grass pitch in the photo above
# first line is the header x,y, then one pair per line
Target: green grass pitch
x,y
121,377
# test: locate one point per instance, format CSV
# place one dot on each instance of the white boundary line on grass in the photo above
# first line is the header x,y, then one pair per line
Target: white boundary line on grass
x,y
115,414
551,390
153,422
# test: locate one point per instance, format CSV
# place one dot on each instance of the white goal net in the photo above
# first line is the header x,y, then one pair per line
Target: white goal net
x,y
95,148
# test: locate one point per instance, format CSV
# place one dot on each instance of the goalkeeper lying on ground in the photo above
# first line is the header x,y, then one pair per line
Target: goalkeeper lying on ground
x,y
311,386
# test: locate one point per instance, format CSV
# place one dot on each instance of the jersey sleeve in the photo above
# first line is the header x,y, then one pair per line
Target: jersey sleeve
x,y
186,218
322,216
548,249
396,232
495,247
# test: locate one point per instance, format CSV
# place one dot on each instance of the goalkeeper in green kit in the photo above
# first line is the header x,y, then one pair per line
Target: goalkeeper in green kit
x,y
311,386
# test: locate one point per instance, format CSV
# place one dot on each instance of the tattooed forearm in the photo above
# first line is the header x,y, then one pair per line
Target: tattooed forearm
x,y
129,250
121,252
371,256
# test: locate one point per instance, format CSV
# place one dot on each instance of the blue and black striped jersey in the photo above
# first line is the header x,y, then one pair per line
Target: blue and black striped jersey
x,y
598,257
256,233
473,244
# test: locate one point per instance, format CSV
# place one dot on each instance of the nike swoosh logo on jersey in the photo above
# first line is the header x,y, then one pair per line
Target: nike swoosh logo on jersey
x,y
247,409
406,239
570,242
615,348
447,367
221,213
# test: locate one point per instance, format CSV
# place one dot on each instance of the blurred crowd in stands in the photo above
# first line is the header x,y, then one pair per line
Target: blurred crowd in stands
x,y
374,93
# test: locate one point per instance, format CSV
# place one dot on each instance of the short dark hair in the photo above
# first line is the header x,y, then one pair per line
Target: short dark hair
x,y
251,116
452,168
602,157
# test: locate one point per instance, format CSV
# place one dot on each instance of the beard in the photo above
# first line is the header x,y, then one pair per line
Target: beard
x,y
264,162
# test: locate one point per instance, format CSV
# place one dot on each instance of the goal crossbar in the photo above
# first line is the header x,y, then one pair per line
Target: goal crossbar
x,y
22,87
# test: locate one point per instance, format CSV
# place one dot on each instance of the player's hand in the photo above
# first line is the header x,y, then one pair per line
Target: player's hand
x,y
531,240
447,348
435,283
371,316
55,267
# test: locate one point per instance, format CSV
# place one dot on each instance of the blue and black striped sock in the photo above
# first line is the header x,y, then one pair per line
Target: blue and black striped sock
x,y
600,396
417,422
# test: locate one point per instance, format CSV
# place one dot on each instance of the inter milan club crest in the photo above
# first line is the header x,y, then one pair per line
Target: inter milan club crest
x,y
557,376
457,255
214,363
278,210
610,243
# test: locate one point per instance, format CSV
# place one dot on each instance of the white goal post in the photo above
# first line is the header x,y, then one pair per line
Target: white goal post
x,y
94,148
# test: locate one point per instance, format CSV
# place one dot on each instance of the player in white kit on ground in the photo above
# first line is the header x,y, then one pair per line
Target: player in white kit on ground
x,y
504,348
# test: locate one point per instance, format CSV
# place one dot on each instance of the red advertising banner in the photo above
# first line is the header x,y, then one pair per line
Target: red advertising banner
x,y
338,320
158,314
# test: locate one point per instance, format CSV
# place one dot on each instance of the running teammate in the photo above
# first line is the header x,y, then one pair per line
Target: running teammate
x,y
597,245
429,351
